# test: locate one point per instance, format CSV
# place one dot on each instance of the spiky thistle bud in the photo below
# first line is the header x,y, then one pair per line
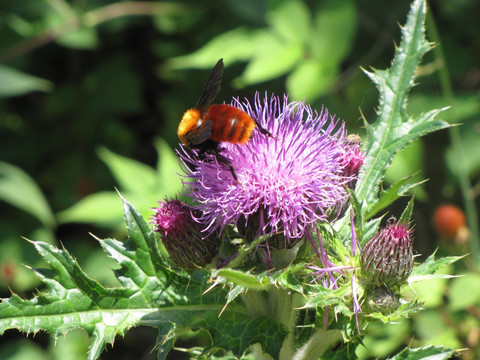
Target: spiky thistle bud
x,y
181,235
382,300
387,258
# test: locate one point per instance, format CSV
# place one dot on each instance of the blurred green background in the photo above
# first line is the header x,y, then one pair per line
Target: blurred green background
x,y
91,93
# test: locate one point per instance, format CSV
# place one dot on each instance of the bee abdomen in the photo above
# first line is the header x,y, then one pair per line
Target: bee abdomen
x,y
230,124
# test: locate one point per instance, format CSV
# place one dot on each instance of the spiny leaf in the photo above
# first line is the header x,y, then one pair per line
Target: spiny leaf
x,y
394,129
427,352
150,294
73,300
405,310
388,196
150,290
237,332
429,267
242,278
327,297
407,214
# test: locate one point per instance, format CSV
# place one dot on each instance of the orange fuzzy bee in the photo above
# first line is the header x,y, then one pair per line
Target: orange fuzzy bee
x,y
204,126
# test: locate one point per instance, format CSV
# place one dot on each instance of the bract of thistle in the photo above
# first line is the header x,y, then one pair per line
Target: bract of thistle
x,y
286,182
387,258
181,235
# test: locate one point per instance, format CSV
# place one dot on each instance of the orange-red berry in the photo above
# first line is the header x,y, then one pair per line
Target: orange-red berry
x,y
449,220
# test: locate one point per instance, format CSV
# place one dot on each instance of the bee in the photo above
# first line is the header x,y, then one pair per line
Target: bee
x,y
203,127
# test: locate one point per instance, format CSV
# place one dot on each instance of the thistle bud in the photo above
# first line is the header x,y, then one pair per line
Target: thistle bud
x,y
353,159
181,235
382,300
387,258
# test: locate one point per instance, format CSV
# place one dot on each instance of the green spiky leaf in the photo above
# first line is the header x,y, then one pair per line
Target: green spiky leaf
x,y
394,129
151,293
427,352
387,197
406,217
428,269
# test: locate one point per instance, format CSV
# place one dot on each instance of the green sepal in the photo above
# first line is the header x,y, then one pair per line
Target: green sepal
x,y
407,214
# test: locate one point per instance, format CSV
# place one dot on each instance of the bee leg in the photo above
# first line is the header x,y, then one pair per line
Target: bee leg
x,y
211,147
263,130
225,161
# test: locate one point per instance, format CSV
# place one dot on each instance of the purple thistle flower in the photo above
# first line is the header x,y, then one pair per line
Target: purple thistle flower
x,y
286,183
181,235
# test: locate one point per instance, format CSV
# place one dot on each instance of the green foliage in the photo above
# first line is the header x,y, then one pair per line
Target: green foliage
x,y
307,48
394,129
106,103
135,180
20,190
151,293
429,352
16,83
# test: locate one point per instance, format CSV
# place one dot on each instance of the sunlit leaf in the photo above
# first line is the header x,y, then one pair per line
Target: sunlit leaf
x,y
18,189
219,47
394,129
84,38
461,299
333,32
311,79
273,58
23,349
131,175
101,208
167,165
460,153
67,21
291,21
14,82
426,353
428,269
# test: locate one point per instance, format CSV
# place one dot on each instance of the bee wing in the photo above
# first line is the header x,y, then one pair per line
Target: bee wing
x,y
212,87
200,134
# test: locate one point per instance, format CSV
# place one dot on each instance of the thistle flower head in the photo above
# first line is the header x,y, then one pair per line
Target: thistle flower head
x,y
286,182
181,235
387,258
353,159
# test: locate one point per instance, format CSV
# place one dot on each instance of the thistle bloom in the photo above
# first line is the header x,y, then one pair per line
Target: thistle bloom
x,y
286,182
387,258
181,235
353,159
